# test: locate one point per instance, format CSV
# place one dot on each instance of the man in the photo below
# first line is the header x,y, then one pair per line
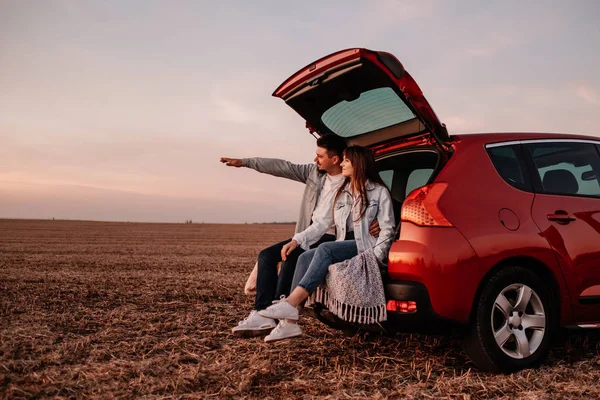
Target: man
x,y
322,181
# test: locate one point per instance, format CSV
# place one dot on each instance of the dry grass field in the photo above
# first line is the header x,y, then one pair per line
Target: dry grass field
x,y
100,310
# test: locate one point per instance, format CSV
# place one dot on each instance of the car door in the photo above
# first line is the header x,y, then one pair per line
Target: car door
x,y
566,208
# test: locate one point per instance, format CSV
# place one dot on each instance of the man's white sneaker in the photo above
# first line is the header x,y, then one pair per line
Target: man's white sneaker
x,y
254,325
283,330
280,310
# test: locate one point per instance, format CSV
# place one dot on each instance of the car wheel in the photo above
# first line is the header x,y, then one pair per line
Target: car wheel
x,y
514,322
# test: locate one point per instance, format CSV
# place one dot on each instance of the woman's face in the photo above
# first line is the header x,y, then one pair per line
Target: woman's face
x,y
347,169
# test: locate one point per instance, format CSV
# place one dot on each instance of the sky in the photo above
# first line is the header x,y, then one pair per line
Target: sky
x,y
120,109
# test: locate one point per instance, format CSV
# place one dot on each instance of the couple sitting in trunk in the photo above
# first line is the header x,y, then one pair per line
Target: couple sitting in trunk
x,y
346,210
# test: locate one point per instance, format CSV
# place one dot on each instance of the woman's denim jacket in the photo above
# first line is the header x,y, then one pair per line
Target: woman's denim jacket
x,y
379,207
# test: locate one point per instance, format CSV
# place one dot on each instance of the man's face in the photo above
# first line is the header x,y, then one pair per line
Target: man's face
x,y
324,162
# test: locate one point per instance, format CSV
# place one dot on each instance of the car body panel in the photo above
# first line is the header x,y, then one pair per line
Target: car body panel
x,y
442,260
577,247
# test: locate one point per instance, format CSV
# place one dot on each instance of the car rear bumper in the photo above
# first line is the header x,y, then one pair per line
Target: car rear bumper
x,y
424,319
443,262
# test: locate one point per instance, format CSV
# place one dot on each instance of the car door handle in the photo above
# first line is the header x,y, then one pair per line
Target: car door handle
x,y
560,216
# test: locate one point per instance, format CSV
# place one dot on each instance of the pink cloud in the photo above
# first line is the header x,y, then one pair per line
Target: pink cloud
x,y
462,124
588,94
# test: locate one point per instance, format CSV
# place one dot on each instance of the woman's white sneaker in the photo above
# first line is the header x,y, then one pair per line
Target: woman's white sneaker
x,y
254,325
280,310
284,330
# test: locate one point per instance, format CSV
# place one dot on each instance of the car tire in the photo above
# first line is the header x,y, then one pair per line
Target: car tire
x,y
507,333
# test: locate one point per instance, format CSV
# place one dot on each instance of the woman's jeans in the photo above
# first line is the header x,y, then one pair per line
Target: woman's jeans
x,y
312,265
269,286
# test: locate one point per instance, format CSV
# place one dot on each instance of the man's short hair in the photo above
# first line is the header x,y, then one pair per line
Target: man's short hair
x,y
334,144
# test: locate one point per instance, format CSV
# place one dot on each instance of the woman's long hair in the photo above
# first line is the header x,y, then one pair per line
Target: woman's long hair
x,y
363,163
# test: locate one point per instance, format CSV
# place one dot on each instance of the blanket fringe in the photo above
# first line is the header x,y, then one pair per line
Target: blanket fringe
x,y
348,312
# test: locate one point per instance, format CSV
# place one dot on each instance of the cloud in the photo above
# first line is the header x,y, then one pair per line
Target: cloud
x,y
491,34
227,110
588,94
463,124
246,99
185,167
493,43
393,11
31,200
561,107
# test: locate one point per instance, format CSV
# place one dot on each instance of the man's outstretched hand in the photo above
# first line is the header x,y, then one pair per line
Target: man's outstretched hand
x,y
232,162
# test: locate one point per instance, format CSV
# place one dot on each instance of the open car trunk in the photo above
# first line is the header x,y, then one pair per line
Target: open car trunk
x,y
362,95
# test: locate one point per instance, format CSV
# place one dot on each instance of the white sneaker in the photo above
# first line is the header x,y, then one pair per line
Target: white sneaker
x,y
254,325
280,310
283,330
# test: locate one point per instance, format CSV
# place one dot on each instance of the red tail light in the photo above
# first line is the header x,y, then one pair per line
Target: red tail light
x,y
401,306
421,206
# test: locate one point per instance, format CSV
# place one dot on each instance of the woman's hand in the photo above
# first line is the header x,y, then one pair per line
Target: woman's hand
x,y
287,249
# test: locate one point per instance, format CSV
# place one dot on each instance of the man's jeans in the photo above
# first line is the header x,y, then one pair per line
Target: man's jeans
x,y
313,265
268,285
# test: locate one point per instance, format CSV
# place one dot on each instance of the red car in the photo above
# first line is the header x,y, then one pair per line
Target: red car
x,y
500,232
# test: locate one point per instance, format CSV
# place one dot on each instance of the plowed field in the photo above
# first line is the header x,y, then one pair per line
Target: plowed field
x,y
92,309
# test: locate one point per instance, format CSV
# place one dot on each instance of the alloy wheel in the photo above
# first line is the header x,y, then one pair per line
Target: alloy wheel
x,y
518,321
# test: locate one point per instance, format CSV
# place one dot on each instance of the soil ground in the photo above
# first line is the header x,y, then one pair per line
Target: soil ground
x,y
101,310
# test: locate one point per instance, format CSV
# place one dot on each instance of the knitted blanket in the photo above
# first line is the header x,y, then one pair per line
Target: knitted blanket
x,y
353,290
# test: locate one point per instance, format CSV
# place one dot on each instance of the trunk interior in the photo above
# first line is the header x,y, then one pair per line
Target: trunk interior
x,y
404,171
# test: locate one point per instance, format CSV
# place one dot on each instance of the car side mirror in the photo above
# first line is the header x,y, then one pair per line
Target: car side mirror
x,y
588,176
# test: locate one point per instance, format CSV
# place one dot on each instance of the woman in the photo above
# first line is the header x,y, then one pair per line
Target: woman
x,y
360,200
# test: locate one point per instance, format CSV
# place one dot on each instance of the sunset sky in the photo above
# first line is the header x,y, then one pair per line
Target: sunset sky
x,y
120,109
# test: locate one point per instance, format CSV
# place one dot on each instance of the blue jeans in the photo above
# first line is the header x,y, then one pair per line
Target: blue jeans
x,y
312,265
269,286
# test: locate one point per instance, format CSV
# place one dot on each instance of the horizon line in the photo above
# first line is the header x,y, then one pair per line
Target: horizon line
x,y
146,222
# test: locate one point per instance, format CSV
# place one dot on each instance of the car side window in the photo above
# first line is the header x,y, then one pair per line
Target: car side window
x,y
566,168
387,177
508,161
418,178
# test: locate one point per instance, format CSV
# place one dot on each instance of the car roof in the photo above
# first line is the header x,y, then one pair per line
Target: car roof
x,y
486,138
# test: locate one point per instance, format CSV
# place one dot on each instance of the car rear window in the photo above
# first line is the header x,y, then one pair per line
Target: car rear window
x,y
372,110
509,162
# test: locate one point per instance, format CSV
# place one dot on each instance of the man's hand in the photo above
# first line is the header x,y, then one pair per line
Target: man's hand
x,y
374,229
232,162
287,249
